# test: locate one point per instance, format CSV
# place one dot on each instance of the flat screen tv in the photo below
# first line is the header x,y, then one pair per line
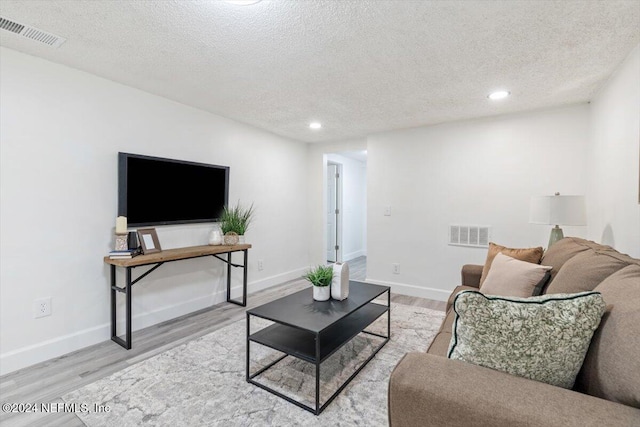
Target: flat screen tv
x,y
159,191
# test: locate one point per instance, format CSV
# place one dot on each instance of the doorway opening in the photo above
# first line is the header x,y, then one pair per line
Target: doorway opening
x,y
345,192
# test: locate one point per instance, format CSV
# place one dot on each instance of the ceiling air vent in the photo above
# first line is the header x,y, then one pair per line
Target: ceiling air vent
x,y
31,32
476,236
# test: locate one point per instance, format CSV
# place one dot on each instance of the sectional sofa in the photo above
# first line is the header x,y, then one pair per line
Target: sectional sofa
x,y
431,389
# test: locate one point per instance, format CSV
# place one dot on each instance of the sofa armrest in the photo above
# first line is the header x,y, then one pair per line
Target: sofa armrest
x,y
471,274
429,390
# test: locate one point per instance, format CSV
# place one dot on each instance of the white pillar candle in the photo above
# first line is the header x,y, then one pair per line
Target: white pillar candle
x,y
121,225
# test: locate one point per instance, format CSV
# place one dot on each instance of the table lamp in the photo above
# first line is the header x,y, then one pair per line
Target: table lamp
x,y
557,210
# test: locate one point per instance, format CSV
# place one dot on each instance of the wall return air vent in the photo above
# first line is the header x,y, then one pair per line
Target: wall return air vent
x,y
477,236
31,32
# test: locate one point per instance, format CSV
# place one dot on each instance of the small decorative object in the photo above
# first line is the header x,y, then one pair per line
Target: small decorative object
x,y
236,219
231,238
340,282
320,277
133,240
149,241
215,237
121,242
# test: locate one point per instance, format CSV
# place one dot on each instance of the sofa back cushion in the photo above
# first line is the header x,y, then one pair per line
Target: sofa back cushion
x,y
532,255
611,369
562,251
584,272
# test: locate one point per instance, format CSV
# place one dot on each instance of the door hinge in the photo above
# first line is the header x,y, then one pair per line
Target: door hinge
x,y
337,247
337,211
337,175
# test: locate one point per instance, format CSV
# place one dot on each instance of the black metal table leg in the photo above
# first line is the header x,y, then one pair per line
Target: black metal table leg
x,y
389,313
317,374
128,337
126,342
245,268
244,278
229,276
113,301
248,345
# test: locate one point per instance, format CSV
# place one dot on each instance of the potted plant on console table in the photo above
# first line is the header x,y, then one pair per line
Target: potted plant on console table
x,y
234,223
320,277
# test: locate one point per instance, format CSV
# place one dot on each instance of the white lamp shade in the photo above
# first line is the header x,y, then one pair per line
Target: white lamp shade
x,y
558,210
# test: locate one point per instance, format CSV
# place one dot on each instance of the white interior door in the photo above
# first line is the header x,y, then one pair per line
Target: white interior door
x,y
333,212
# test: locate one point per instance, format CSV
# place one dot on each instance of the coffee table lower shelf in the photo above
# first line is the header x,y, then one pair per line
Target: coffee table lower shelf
x,y
315,348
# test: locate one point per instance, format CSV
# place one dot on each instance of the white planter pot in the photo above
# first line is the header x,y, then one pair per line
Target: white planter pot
x,y
241,240
321,293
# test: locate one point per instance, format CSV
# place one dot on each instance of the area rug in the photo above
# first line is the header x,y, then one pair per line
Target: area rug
x,y
202,382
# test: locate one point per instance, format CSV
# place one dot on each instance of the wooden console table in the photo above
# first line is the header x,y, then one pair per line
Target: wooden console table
x,y
157,259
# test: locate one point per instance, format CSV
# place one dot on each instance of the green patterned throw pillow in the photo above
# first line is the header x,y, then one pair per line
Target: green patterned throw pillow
x,y
543,338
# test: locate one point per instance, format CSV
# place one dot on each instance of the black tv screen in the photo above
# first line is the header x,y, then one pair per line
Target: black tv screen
x,y
156,191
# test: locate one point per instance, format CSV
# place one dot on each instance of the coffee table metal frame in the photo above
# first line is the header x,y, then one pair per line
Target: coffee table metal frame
x,y
280,334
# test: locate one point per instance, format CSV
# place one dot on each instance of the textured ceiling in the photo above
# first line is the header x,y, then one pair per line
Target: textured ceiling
x,y
359,67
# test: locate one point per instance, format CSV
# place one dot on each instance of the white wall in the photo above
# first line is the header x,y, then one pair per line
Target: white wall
x,y
60,135
613,207
474,172
354,205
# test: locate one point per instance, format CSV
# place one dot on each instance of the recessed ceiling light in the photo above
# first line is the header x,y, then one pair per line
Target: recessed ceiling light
x,y
499,94
315,125
243,2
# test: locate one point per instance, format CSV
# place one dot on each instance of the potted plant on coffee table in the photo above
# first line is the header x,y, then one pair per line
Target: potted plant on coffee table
x,y
320,277
235,221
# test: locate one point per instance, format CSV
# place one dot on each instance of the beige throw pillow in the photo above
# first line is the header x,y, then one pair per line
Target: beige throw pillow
x,y
514,278
533,255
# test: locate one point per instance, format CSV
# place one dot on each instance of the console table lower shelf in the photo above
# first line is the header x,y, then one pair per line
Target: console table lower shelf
x,y
313,331
156,260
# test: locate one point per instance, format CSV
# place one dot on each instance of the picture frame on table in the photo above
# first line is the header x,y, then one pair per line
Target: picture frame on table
x,y
148,239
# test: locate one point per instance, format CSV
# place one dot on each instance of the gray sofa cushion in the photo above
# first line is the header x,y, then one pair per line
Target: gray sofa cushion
x,y
427,390
611,369
584,272
561,252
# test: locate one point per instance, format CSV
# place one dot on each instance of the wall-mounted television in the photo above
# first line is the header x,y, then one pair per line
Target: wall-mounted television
x,y
159,191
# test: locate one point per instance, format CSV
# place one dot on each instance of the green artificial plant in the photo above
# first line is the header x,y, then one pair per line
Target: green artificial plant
x,y
236,218
321,275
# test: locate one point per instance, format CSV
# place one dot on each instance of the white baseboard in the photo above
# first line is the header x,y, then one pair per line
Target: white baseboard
x,y
414,291
30,355
278,279
36,353
354,255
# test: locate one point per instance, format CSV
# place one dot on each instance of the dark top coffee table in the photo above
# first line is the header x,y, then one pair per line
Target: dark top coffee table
x,y
314,330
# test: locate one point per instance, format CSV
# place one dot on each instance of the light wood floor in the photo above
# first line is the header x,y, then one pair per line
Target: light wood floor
x,y
48,381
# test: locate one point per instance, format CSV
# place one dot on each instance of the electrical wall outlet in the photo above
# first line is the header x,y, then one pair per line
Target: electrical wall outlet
x,y
396,268
260,265
42,307
387,211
